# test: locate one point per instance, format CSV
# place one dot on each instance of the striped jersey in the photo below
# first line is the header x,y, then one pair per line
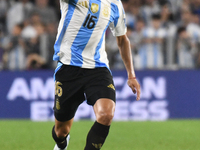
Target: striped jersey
x,y
81,32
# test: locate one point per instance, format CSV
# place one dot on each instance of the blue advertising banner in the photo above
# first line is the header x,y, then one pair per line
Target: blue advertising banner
x,y
165,95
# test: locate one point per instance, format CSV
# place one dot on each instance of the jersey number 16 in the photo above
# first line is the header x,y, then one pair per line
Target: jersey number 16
x,y
89,22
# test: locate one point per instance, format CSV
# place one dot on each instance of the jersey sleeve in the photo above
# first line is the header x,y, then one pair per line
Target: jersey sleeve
x,y
118,26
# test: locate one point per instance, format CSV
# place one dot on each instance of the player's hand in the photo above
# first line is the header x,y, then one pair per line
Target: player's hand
x,y
135,86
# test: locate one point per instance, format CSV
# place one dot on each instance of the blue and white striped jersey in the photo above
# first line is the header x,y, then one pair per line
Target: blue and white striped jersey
x,y
81,33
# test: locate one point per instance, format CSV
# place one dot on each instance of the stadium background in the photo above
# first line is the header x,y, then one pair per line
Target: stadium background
x,y
165,40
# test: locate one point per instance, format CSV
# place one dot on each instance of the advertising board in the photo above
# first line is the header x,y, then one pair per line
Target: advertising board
x,y
164,95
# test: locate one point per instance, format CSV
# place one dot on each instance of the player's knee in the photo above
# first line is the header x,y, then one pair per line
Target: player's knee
x,y
62,132
105,118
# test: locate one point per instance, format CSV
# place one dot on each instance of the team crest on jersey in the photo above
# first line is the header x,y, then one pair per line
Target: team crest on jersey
x,y
105,11
94,8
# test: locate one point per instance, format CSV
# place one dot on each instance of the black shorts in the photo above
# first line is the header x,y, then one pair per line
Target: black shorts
x,y
73,85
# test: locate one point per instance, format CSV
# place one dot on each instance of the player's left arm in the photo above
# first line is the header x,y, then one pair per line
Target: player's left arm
x,y
125,51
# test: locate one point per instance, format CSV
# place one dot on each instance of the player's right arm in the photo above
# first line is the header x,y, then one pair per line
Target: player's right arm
x,y
125,51
119,29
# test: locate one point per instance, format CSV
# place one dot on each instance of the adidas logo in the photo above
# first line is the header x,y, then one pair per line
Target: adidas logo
x,y
111,86
97,146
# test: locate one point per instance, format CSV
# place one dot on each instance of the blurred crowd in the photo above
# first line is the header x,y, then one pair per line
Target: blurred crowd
x,y
164,34
27,34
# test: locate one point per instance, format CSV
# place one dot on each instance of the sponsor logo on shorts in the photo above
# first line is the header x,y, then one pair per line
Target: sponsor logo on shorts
x,y
111,86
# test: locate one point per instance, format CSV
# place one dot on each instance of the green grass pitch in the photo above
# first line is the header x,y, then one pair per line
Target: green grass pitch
x,y
169,135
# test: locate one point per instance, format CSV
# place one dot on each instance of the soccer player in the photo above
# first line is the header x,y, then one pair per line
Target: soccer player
x,y
83,70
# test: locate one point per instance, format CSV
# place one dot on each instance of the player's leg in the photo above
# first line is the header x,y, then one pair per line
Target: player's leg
x,y
64,120
69,95
100,93
60,133
104,111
